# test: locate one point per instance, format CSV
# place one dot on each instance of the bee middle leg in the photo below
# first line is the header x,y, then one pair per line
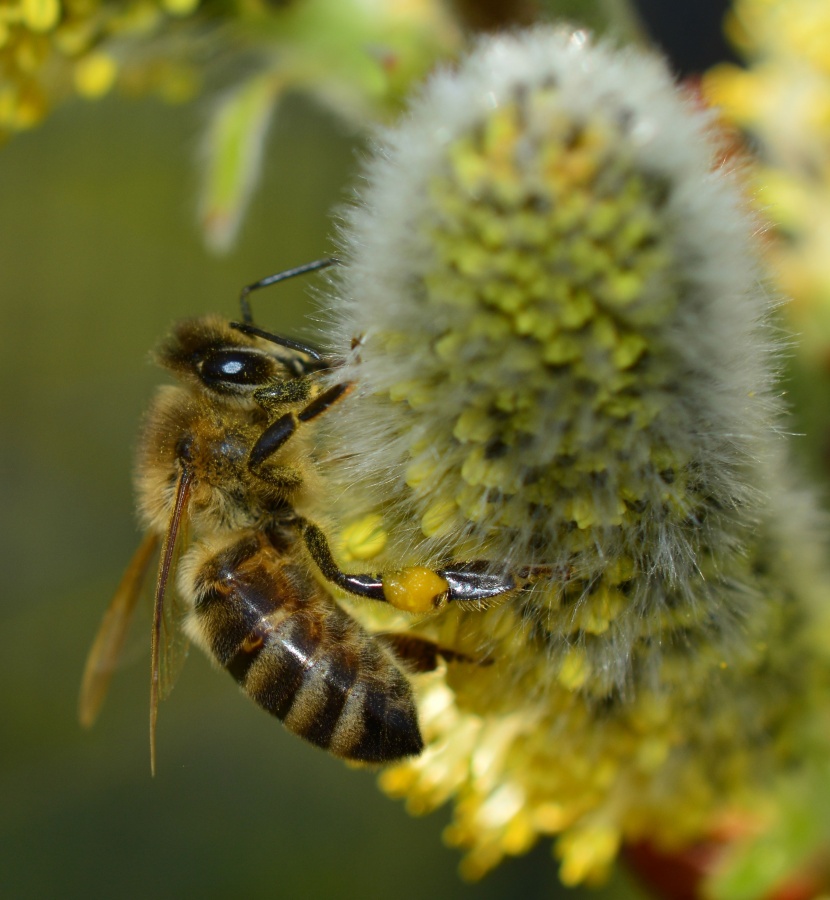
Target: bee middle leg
x,y
422,655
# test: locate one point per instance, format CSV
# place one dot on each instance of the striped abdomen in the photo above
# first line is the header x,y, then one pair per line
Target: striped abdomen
x,y
299,656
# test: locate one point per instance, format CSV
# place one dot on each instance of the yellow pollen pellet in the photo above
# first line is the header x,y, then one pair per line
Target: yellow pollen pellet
x,y
415,589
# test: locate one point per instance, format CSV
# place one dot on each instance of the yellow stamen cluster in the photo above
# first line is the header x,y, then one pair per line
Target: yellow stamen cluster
x,y
555,276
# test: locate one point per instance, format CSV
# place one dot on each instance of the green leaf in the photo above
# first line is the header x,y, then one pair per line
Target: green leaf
x,y
232,158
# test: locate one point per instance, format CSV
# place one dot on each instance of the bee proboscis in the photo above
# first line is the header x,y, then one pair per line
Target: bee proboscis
x,y
224,478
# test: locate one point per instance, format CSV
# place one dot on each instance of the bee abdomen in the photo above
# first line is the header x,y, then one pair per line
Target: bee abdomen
x,y
301,658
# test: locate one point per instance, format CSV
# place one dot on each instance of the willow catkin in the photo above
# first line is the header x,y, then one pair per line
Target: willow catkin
x,y
564,360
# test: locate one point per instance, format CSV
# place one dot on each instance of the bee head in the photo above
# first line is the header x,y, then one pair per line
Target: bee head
x,y
230,361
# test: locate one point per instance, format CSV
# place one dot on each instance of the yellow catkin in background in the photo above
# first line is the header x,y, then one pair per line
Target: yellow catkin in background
x,y
782,100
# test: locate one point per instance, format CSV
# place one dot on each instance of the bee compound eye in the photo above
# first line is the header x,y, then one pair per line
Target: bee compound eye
x,y
231,369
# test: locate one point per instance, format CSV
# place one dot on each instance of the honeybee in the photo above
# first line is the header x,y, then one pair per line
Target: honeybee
x,y
224,477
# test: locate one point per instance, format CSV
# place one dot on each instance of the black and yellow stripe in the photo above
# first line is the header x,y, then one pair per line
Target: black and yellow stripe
x,y
300,657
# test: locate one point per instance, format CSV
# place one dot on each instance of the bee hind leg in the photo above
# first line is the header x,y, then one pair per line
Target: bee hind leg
x,y
417,589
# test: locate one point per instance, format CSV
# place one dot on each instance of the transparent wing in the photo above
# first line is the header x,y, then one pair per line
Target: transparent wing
x,y
166,634
109,641
174,643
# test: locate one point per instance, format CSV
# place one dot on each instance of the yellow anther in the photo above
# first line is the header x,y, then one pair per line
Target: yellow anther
x,y
364,538
439,518
416,589
575,670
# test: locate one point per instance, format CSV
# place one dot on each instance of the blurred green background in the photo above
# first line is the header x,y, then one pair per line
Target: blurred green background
x,y
98,255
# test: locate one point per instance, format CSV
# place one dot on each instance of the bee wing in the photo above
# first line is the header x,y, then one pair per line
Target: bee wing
x,y
174,643
109,641
166,634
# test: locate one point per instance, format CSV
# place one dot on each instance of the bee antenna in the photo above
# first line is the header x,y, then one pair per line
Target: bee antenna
x,y
246,328
245,303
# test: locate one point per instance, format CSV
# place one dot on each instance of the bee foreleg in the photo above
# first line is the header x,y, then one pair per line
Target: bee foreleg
x,y
280,393
280,431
